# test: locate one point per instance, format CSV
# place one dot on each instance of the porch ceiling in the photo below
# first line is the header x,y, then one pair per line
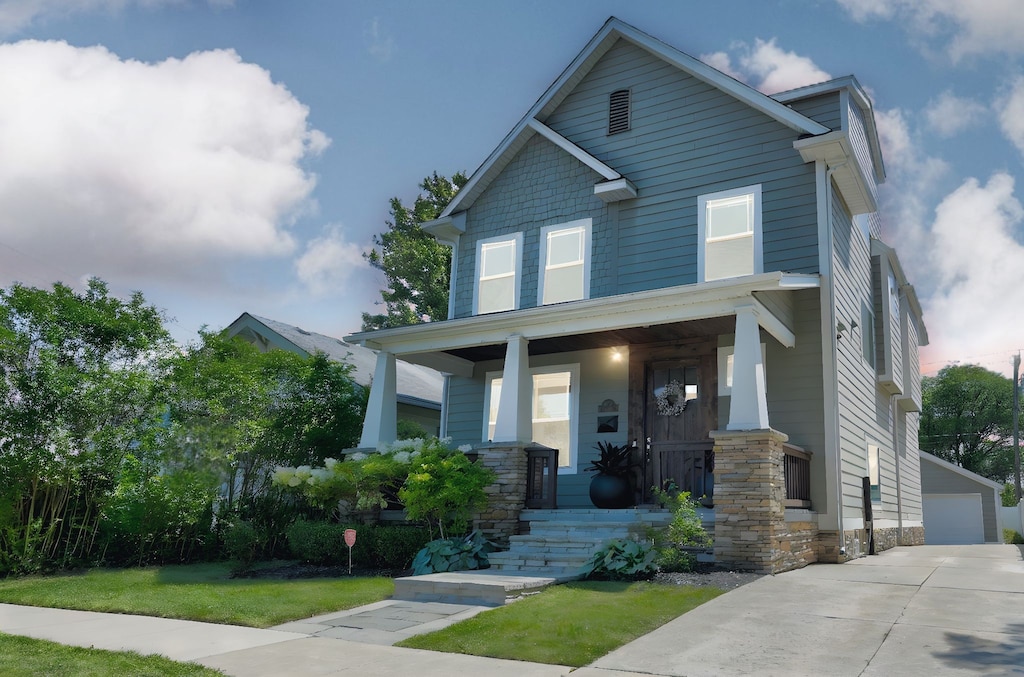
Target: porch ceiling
x,y
607,339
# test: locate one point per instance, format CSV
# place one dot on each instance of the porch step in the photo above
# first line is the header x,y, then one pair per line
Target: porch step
x,y
485,588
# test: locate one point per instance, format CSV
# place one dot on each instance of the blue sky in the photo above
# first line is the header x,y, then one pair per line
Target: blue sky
x,y
225,156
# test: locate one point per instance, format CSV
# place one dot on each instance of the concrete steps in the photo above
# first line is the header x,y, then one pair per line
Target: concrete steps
x,y
559,543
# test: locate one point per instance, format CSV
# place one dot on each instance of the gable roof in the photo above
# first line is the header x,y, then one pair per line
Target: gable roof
x,y
963,472
417,385
611,32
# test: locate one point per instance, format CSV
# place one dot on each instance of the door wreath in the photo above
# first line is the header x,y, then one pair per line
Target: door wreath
x,y
671,400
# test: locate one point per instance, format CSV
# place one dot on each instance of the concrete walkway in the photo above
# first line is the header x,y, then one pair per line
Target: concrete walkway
x,y
929,610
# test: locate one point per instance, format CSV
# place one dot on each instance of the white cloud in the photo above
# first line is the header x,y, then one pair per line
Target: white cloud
x,y
979,285
117,166
948,115
722,62
780,70
380,45
962,27
1011,113
767,67
328,262
18,14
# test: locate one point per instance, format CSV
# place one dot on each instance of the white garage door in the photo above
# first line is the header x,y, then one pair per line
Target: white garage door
x,y
953,519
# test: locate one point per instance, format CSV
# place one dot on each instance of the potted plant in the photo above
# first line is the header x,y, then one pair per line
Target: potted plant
x,y
612,486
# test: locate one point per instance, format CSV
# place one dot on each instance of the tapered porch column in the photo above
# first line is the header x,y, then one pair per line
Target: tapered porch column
x,y
748,406
380,426
515,418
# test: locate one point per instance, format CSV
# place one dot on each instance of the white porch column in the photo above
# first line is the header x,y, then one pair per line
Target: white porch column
x,y
515,415
381,422
748,406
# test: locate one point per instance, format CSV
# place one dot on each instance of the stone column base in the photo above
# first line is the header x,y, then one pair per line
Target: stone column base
x,y
506,498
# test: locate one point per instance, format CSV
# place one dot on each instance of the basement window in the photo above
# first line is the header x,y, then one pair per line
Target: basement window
x,y
618,112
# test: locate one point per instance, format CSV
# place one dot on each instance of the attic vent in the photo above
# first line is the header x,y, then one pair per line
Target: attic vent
x,y
618,112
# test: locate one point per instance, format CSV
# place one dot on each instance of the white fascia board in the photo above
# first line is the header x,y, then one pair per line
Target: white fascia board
x,y
963,472
835,150
615,191
774,325
572,149
717,78
494,163
446,229
638,309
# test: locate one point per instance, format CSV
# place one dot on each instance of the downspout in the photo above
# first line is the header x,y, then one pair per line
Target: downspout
x,y
834,343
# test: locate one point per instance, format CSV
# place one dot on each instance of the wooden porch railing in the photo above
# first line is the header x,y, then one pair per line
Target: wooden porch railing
x,y
690,467
541,477
798,477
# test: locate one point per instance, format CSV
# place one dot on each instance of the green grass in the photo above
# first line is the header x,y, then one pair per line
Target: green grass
x,y
26,656
198,592
573,624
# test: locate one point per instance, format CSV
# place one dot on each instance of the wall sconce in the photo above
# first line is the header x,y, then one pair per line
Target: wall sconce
x,y
840,328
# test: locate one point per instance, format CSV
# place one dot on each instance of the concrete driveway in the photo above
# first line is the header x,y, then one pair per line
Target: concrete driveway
x,y
926,610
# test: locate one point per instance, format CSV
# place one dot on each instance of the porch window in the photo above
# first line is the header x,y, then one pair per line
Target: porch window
x,y
498,266
555,400
725,362
729,229
565,262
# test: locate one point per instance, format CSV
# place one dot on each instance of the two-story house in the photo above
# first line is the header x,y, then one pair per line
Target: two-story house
x,y
661,256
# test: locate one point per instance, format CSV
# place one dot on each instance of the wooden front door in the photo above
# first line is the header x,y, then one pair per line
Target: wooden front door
x,y
677,403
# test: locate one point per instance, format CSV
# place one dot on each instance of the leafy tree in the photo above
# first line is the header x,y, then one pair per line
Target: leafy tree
x,y
237,412
78,396
966,419
415,266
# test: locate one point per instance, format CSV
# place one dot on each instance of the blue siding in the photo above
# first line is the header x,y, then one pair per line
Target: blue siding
x,y
823,109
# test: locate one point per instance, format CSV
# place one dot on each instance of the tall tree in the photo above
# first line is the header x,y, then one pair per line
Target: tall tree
x,y
416,268
966,419
79,394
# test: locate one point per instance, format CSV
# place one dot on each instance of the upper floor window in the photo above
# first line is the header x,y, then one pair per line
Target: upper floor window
x,y
565,262
729,231
618,112
498,267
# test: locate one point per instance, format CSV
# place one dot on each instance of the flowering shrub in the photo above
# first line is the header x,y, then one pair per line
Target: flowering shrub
x,y
444,487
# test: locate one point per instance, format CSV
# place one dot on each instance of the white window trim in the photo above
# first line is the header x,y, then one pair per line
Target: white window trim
x,y
587,226
574,408
702,214
724,353
517,285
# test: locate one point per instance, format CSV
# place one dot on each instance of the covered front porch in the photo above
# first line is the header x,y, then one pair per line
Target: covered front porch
x,y
702,344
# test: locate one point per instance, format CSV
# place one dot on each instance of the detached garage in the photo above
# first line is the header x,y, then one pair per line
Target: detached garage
x,y
960,507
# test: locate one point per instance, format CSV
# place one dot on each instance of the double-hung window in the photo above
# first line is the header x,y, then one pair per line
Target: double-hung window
x,y
729,231
555,402
498,267
565,262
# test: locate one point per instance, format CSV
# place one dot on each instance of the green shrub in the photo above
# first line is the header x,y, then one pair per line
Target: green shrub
x,y
319,542
1014,537
394,547
684,531
453,554
377,547
444,488
243,544
622,560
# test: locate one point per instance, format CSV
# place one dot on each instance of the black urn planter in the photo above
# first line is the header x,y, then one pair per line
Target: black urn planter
x,y
611,492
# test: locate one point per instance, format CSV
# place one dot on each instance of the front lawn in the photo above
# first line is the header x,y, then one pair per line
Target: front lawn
x,y
26,656
197,592
572,624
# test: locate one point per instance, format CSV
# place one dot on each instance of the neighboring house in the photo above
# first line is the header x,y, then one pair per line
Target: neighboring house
x,y
661,256
960,507
419,389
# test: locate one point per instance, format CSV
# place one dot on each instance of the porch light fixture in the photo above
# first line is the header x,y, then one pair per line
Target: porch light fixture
x,y
616,355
